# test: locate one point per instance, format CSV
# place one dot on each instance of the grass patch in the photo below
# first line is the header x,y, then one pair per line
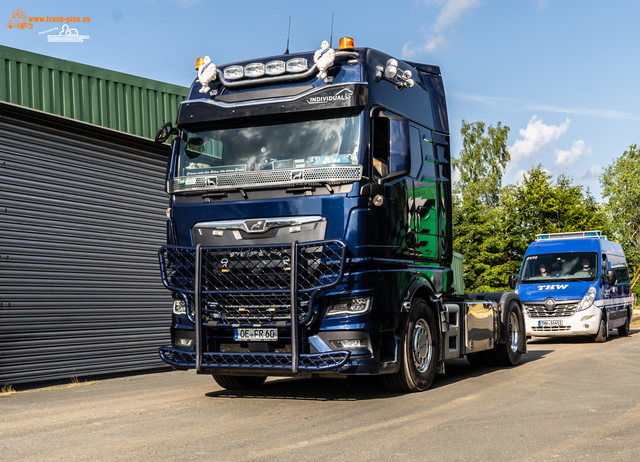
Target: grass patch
x,y
7,390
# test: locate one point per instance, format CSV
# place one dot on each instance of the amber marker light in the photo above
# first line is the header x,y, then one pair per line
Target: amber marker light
x,y
199,62
346,43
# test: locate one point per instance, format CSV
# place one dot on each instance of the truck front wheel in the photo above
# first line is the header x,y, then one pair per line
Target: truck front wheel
x,y
239,382
419,354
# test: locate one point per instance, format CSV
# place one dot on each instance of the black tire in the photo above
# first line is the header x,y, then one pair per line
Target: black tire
x,y
479,359
419,351
601,336
239,382
509,354
624,329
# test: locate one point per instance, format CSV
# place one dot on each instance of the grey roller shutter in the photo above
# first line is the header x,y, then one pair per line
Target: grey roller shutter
x,y
82,215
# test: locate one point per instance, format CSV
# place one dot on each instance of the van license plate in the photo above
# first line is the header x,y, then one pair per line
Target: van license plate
x,y
256,335
550,323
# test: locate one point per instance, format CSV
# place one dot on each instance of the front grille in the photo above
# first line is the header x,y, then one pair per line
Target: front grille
x,y
561,310
268,178
252,284
551,329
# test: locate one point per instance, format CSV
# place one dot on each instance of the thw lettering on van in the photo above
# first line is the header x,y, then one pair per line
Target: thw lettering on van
x,y
553,287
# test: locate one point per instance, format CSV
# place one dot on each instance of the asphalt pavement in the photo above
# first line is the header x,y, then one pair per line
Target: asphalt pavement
x,y
569,400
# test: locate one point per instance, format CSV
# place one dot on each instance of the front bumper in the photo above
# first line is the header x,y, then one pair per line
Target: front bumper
x,y
586,322
264,362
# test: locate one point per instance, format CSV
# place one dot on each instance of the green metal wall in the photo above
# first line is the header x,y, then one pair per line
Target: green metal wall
x,y
99,96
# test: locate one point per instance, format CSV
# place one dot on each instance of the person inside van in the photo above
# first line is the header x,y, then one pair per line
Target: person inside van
x,y
586,270
543,270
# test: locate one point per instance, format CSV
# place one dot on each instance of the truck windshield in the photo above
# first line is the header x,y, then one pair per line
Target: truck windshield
x,y
300,144
554,267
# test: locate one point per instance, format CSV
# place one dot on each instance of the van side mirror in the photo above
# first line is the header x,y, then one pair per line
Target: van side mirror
x,y
610,277
513,280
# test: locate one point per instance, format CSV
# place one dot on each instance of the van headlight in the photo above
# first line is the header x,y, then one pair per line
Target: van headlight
x,y
351,305
587,300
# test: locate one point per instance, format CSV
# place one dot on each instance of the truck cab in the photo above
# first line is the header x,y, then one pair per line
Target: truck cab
x,y
309,227
575,284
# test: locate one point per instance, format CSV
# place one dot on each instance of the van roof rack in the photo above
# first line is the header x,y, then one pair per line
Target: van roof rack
x,y
572,235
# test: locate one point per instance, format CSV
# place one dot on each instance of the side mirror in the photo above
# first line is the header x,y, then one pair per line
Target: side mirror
x,y
164,132
610,277
513,280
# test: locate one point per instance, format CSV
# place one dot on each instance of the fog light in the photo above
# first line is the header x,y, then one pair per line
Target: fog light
x,y
350,344
378,200
185,342
254,70
296,65
586,326
275,67
179,307
233,73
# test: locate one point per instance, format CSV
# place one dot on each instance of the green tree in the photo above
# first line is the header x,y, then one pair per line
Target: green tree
x,y
538,206
621,187
476,214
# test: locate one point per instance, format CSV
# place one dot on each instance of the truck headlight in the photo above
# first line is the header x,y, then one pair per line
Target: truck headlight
x,y
351,305
587,300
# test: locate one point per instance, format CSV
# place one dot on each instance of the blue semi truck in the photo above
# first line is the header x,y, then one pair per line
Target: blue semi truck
x,y
309,227
575,283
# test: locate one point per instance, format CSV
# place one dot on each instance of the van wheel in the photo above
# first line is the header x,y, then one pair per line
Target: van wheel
x,y
624,329
419,354
239,382
509,353
601,336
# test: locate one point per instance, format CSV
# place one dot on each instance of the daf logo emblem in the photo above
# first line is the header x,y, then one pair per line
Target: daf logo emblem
x,y
550,304
255,226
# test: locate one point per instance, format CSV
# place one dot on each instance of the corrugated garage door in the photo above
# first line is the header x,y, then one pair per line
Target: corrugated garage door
x,y
82,215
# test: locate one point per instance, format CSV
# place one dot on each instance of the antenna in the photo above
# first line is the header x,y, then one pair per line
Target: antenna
x,y
331,39
288,34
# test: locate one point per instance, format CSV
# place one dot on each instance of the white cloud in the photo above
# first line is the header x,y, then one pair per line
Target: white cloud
x,y
593,172
568,158
452,11
455,176
521,104
534,137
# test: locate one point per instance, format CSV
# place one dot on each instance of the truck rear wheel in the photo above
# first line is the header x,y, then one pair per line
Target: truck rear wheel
x,y
239,382
510,352
419,354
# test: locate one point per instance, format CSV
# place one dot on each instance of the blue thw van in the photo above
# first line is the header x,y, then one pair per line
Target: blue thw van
x,y
575,284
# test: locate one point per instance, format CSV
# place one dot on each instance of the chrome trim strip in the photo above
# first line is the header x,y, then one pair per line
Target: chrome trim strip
x,y
267,178
241,225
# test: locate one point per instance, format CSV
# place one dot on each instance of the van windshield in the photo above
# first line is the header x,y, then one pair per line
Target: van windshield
x,y
555,267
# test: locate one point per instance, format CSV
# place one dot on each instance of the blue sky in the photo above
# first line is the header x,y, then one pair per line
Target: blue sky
x,y
562,74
